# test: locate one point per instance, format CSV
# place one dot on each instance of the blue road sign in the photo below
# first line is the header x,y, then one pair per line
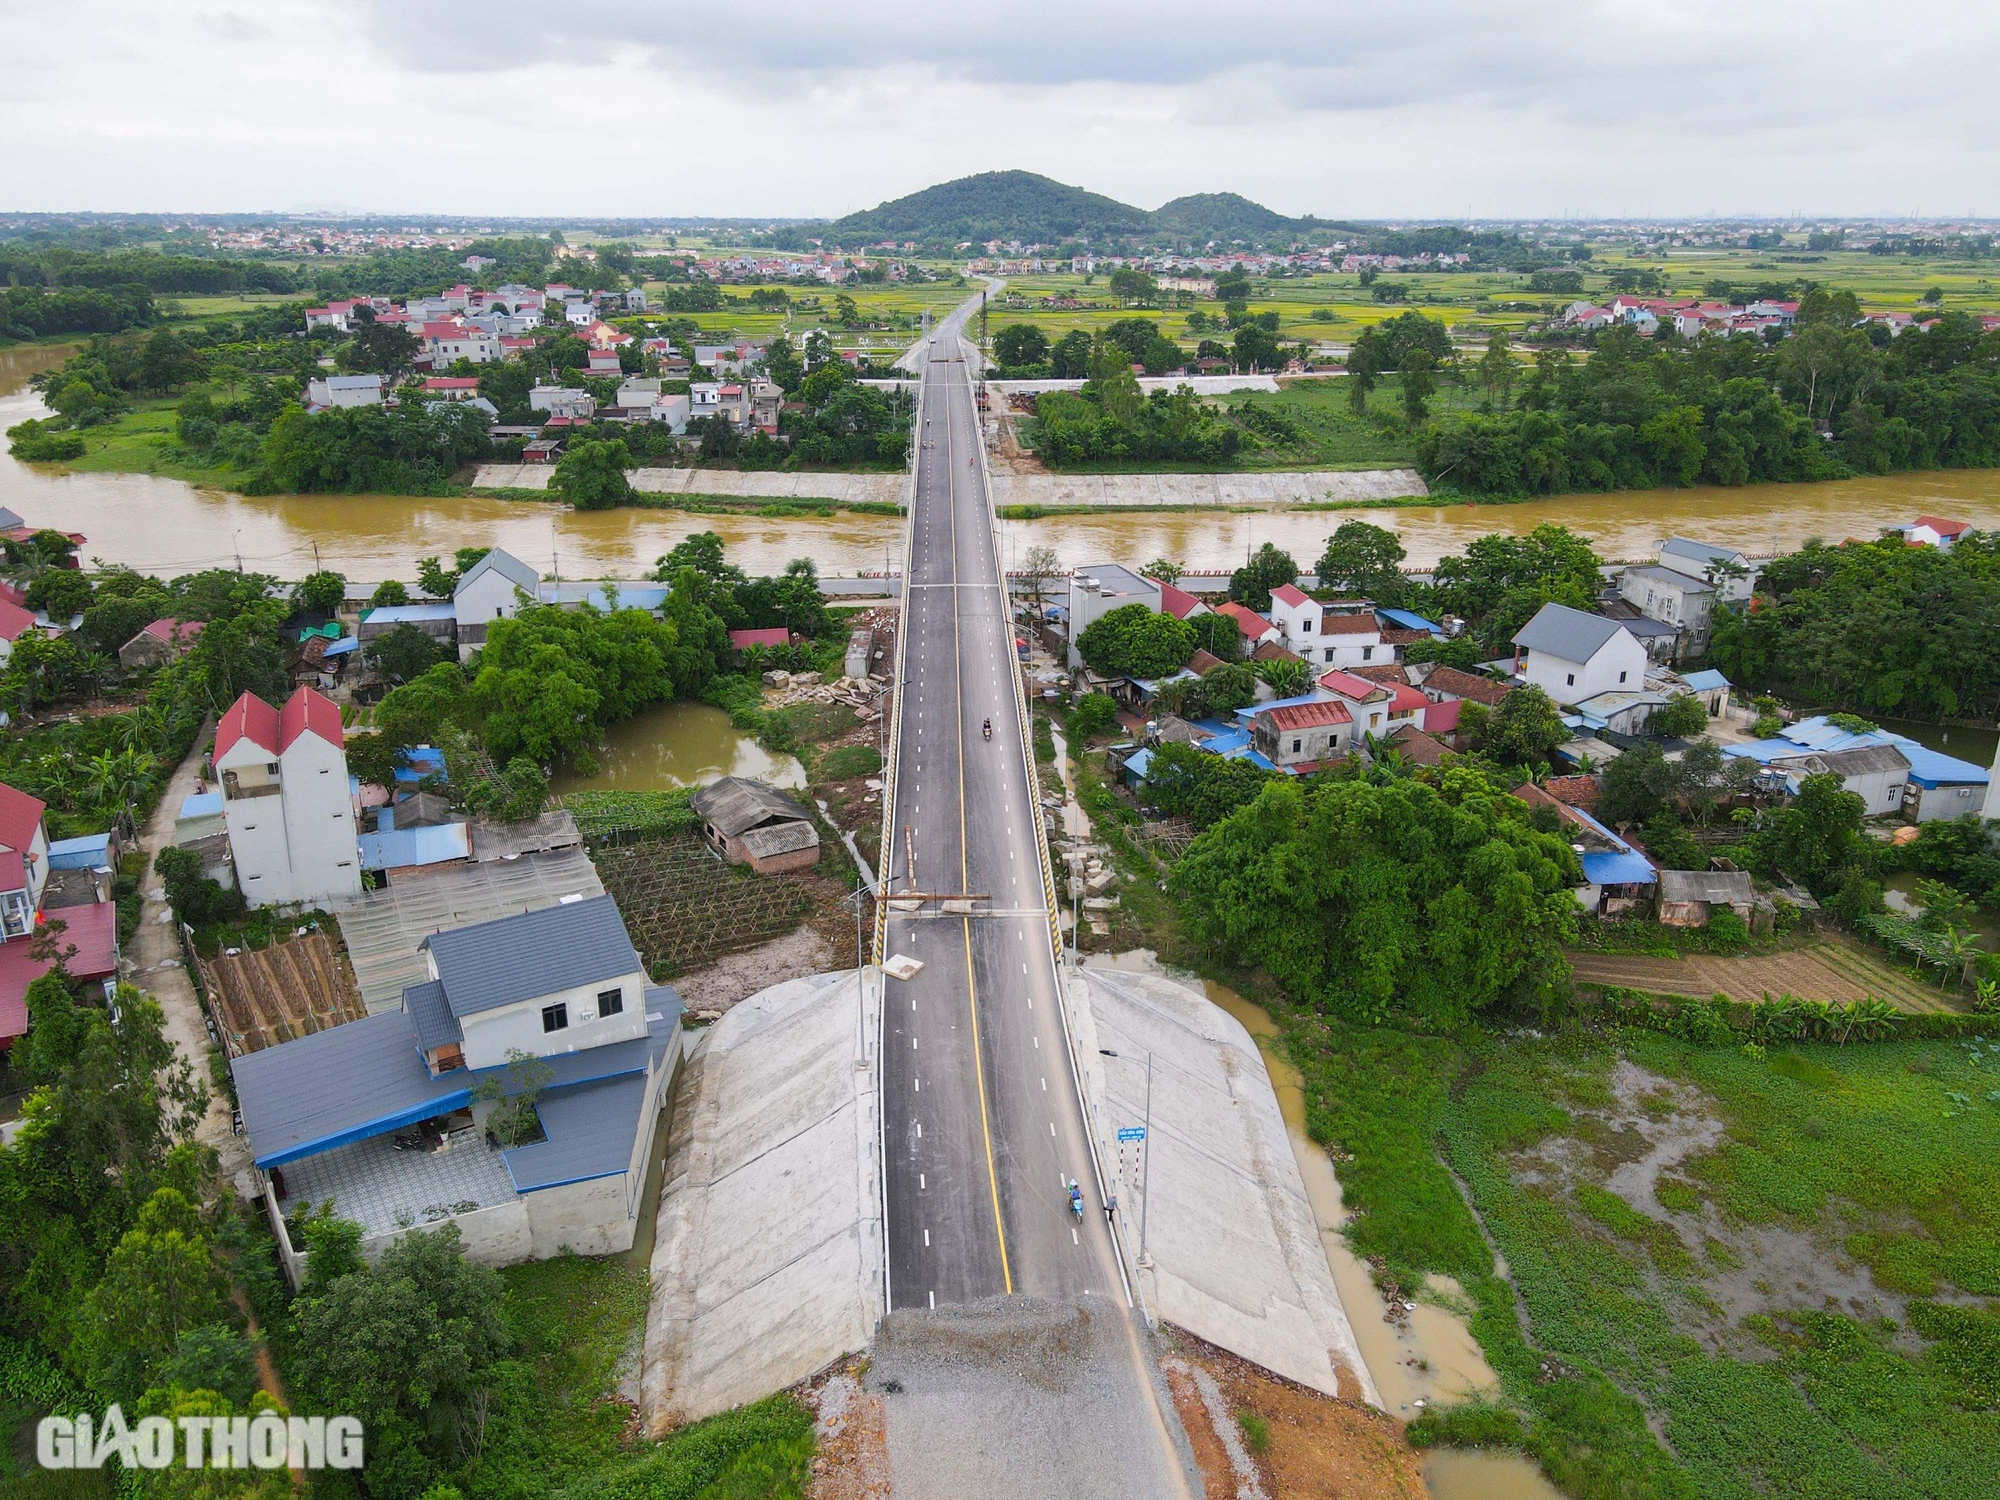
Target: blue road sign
x,y
1132,1133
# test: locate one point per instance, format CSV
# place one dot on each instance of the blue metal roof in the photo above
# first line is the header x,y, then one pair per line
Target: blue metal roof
x,y
1705,681
202,805
590,1128
1933,768
341,647
86,853
408,614
420,761
436,1025
1928,768
1136,763
395,848
1410,620
1609,868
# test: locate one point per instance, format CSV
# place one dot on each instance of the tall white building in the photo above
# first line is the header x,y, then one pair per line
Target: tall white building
x,y
285,799
1574,656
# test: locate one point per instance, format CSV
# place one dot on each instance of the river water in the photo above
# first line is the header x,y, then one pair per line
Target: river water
x,y
1427,1356
670,745
166,526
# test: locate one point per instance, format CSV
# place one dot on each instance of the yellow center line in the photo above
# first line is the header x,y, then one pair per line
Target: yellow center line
x,y
964,855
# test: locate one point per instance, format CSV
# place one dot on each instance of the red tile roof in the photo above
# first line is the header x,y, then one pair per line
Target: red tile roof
x,y
1384,672
91,930
1204,662
1349,625
11,594
1177,602
1247,620
15,621
1272,651
1943,527
1466,685
1577,791
1359,689
1307,715
451,383
172,631
309,711
1418,746
20,814
249,718
1286,593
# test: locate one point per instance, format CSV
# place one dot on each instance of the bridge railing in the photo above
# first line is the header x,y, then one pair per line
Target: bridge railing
x,y
885,852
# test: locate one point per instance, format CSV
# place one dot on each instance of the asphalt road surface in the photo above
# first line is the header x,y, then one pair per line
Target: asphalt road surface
x,y
983,1130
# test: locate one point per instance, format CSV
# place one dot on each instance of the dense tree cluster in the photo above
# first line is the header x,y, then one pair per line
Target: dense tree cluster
x,y
1880,627
410,450
1134,641
1110,419
1363,897
1823,402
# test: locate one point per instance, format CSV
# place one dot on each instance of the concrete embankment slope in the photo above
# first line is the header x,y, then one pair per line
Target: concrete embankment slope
x,y
1236,1254
1109,491
768,1264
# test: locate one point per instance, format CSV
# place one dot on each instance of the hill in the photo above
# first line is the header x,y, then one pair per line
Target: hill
x,y
995,205
1034,209
1223,216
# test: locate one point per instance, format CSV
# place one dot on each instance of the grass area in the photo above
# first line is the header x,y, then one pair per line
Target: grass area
x,y
1717,1306
143,441
559,1425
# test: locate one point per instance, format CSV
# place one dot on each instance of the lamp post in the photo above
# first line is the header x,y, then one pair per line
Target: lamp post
x,y
1145,1151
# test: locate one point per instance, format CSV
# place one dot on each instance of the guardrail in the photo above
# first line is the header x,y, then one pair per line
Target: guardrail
x,y
885,848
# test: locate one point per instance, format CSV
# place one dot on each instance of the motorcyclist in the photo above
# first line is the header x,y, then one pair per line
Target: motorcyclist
x,y
988,727
1075,1198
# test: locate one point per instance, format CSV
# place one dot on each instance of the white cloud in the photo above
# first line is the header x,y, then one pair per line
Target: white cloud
x,y
1429,107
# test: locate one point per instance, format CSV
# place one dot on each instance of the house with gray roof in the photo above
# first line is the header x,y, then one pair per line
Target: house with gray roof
x,y
1096,590
751,823
392,1118
1729,572
491,589
1573,655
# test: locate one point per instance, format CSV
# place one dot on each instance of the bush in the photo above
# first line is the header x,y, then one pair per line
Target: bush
x,y
196,899
43,442
1094,714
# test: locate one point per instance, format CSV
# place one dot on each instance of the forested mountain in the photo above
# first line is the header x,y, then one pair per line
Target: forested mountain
x,y
1033,209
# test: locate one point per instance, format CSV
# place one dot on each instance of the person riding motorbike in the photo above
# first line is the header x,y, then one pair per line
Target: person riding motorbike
x,y
988,727
1075,1198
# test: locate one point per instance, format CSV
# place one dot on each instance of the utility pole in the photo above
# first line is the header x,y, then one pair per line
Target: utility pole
x,y
1145,1151
316,567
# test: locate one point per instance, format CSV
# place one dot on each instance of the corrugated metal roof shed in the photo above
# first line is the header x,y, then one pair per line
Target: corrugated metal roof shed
x,y
590,1131
436,1025
400,848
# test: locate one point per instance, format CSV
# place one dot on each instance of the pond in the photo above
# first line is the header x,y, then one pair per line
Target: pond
x,y
672,745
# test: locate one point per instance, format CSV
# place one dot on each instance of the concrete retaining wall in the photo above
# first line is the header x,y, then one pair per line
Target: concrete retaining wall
x,y
768,1264
1092,490
1236,1252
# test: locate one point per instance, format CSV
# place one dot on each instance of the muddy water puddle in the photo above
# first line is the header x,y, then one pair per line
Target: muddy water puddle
x,y
1426,1355
672,745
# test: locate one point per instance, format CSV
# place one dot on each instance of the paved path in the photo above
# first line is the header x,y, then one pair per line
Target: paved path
x,y
152,961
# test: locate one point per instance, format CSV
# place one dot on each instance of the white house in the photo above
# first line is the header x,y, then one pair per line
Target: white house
x,y
1572,655
1297,616
1878,774
1096,590
285,799
1730,573
1367,703
1673,598
1936,531
24,861
563,401
1350,640
478,345
490,590
345,390
579,314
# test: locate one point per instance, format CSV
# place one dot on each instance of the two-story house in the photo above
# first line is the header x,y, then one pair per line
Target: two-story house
x,y
1672,598
90,926
1096,590
1292,735
285,799
491,589
1729,572
1297,616
1572,655
516,1095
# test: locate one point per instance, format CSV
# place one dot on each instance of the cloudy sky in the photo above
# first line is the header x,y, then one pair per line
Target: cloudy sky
x,y
789,107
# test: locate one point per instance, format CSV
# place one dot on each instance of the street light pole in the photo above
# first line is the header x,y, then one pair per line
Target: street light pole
x,y
1145,1151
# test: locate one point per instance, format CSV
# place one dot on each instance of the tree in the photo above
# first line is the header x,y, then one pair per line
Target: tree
x,y
1217,634
406,1346
1162,570
1128,284
320,593
60,592
1132,641
1229,687
1020,344
404,654
591,476
1256,348
1418,384
1818,837
1094,714
161,1281
1366,560
389,594
1069,357
1286,676
1684,718
513,1118
1637,785
1270,568
1496,371
1437,900
1526,727
1185,782
1363,367
1040,565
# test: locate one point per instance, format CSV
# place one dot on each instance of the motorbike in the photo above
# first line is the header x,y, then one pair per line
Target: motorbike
x,y
988,727
1075,1199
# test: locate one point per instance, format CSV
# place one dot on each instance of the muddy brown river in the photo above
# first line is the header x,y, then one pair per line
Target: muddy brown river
x,y
167,526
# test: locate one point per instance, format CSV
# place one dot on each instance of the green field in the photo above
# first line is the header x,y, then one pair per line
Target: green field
x,y
1792,1295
